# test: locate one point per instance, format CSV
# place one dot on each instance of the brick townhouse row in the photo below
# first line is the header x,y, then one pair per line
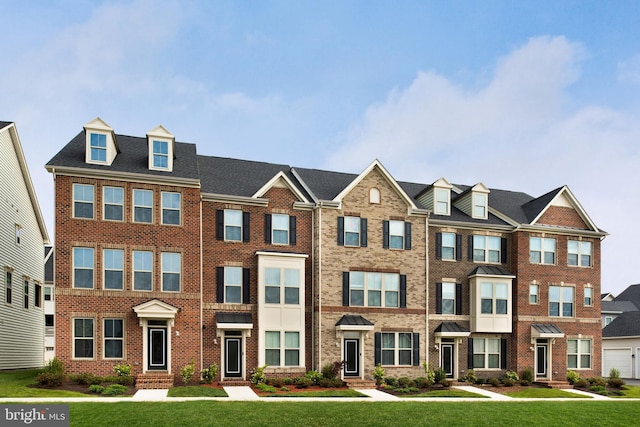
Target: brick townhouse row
x,y
164,256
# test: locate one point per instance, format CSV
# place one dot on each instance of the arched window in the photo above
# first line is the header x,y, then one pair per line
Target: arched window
x,y
374,196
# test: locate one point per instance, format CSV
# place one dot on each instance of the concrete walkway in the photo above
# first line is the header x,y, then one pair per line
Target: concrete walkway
x,y
483,392
240,393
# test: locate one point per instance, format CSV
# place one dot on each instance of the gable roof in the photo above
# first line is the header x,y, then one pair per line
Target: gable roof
x,y
133,159
537,207
632,293
625,325
26,177
617,306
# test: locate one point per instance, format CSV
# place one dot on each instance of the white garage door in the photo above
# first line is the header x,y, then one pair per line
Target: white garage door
x,y
619,358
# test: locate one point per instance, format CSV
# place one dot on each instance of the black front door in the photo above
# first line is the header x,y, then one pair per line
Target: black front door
x,y
541,360
233,357
446,361
352,357
158,349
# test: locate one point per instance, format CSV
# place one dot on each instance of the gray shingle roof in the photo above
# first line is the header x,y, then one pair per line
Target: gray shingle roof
x,y
133,158
224,317
325,185
617,306
4,124
451,327
353,320
632,293
625,325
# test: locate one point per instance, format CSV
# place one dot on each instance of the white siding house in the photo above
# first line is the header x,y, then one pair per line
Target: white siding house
x,y
22,238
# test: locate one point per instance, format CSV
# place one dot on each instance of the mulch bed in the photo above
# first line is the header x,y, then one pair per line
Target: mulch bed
x,y
294,389
72,386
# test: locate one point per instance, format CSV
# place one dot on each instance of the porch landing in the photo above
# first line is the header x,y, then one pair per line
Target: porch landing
x,y
154,380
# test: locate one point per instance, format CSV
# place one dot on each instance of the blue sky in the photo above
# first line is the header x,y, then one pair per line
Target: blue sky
x,y
520,95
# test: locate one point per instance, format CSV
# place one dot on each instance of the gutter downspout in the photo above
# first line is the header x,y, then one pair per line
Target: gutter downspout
x,y
201,326
319,288
426,306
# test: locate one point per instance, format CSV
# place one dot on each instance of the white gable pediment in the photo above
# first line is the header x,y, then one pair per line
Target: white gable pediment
x,y
155,309
280,180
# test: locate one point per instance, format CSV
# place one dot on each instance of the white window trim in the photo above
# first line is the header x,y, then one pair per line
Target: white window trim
x,y
105,204
234,285
93,267
169,154
90,147
133,271
383,291
542,250
483,204
163,271
163,208
401,235
487,250
453,285
561,301
487,354
74,338
578,354
446,201
73,202
453,255
580,254
396,348
537,293
225,225
105,269
134,206
105,338
359,232
274,229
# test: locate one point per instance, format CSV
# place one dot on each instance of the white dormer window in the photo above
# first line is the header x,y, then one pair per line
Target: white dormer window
x,y
98,146
442,202
101,147
160,154
480,205
161,149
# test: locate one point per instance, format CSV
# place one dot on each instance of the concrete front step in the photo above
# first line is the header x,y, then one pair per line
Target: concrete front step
x,y
357,383
154,380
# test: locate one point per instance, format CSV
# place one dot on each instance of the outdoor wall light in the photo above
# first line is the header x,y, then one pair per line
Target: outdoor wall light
x,y
531,348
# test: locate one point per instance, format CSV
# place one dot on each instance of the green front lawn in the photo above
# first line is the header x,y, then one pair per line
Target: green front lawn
x,y
544,393
368,413
629,391
15,384
319,393
196,391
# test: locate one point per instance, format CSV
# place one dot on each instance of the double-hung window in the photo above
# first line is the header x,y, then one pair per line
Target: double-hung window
x,y
534,294
83,268
494,298
113,203
83,335
579,253
98,147
282,285
487,249
588,296
142,206
275,353
142,270
480,206
8,285
171,207
171,271
83,199
448,246
48,293
561,300
232,225
113,338
280,229
352,231
233,285
448,298
486,353
113,261
542,250
272,348
396,234
396,348
37,297
579,354
291,348
441,203
160,154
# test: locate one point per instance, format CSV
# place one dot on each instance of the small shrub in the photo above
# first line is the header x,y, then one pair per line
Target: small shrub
x,y
494,382
391,381
122,370
276,382
332,370
287,381
615,382
331,383
404,382
598,389
422,382
265,388
480,381
54,366
314,376
115,379
572,377
114,390
581,383
597,381
186,373
508,382
378,374
439,375
446,383
512,375
524,383
470,377
527,375
285,389
85,378
614,373
302,382
209,374
96,388
51,379
258,376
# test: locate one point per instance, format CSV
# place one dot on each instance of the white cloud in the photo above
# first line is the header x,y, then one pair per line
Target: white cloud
x,y
516,132
629,70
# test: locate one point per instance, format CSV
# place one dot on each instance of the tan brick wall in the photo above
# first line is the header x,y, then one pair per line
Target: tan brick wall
x,y
337,259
